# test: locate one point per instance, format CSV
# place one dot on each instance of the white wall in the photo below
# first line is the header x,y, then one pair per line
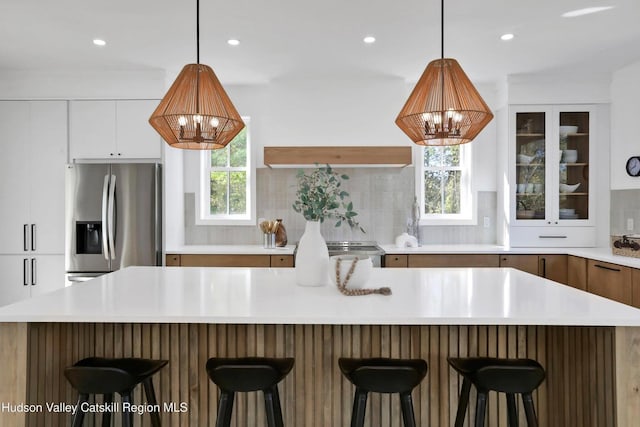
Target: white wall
x,y
625,113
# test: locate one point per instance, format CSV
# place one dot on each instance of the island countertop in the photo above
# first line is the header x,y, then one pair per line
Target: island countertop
x,y
422,296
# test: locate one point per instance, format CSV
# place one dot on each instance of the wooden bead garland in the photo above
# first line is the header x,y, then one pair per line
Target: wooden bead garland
x,y
342,286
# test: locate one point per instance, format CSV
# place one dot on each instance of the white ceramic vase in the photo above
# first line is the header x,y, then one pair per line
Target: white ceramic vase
x,y
312,257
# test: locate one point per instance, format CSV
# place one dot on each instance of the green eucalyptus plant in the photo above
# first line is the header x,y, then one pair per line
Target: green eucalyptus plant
x,y
320,196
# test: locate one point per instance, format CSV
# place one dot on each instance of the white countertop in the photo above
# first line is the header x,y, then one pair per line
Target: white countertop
x,y
463,296
230,250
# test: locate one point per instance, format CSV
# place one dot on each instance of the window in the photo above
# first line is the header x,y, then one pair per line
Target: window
x,y
444,185
227,195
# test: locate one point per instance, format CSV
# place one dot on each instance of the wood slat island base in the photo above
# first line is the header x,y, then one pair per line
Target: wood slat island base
x,y
580,389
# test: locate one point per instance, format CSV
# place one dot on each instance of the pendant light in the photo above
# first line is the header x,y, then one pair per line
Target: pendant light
x,y
196,113
444,107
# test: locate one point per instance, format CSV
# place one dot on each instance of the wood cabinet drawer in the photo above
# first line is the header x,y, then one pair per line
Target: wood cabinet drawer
x,y
528,263
172,260
611,281
453,260
395,261
199,260
635,285
577,272
281,260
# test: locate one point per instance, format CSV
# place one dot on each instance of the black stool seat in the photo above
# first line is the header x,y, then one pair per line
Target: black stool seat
x,y
383,375
510,376
98,375
249,374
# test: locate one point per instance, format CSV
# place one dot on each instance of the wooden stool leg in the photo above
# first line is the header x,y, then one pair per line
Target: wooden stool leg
x,y
78,418
407,410
359,407
225,408
512,414
106,416
527,400
463,402
151,399
481,408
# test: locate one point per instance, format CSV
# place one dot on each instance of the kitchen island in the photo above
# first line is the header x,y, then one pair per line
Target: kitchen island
x,y
590,346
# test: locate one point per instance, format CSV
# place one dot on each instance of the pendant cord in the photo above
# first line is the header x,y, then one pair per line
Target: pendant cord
x,y
442,106
441,29
198,31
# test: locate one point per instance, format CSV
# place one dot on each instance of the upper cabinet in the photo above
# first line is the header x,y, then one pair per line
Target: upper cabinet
x,y
551,163
113,130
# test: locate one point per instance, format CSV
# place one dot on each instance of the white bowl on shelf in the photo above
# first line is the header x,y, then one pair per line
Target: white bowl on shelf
x,y
360,274
569,156
569,188
567,212
565,130
524,159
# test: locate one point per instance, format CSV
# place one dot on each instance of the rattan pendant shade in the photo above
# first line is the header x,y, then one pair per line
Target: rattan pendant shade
x,y
444,107
196,113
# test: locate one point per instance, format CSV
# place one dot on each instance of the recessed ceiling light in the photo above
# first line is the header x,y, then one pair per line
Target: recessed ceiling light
x,y
507,36
99,42
585,11
233,42
369,39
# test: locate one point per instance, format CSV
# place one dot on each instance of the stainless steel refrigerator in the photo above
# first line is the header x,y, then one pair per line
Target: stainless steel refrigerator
x,y
112,219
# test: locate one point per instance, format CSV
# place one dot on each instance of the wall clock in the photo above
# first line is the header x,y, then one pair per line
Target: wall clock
x,y
633,166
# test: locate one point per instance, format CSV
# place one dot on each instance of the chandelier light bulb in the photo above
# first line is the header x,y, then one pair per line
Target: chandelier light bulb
x,y
214,122
182,121
197,119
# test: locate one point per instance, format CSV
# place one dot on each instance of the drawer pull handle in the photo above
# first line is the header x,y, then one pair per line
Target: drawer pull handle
x,y
604,267
552,237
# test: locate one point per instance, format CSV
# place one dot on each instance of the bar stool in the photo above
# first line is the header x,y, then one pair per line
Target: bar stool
x,y
97,375
508,376
249,374
383,375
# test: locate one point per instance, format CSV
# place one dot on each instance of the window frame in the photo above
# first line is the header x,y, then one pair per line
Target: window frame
x,y
204,183
468,195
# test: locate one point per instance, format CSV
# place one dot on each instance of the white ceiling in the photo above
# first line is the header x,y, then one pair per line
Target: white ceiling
x,y
282,38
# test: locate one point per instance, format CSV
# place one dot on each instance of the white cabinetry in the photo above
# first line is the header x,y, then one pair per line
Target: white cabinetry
x,y
113,130
26,276
32,187
551,162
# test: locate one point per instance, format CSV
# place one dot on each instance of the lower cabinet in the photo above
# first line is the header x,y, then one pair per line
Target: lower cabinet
x,y
577,272
635,287
27,276
611,281
453,260
208,260
552,267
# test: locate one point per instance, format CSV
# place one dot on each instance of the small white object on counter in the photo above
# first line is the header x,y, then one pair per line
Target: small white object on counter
x,y
405,240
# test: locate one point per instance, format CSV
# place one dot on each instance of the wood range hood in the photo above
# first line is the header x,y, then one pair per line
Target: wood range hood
x,y
397,156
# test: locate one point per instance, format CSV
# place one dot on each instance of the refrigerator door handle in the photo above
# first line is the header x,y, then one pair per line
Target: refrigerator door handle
x,y
105,196
111,220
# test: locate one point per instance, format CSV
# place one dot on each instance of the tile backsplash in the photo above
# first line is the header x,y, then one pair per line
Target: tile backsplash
x,y
382,197
625,205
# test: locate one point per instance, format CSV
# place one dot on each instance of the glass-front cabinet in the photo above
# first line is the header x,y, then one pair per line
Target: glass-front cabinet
x,y
550,184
